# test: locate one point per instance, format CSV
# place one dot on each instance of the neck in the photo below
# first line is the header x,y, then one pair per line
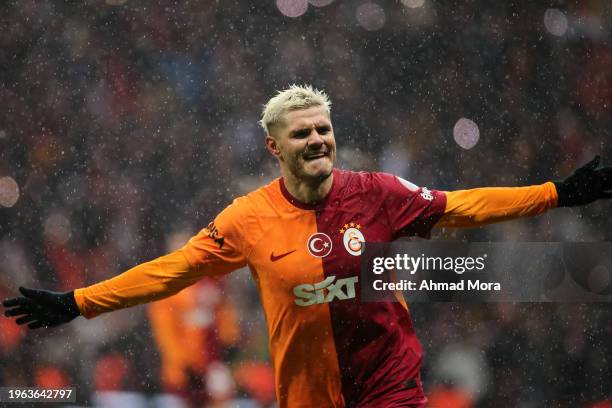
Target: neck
x,y
307,191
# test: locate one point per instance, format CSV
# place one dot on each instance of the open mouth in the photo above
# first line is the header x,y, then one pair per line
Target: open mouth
x,y
315,156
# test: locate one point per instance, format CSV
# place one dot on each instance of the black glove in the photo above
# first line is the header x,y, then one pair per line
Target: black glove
x,y
585,185
42,308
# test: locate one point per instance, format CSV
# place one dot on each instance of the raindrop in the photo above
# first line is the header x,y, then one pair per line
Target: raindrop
x,y
466,133
116,2
555,22
371,16
413,3
320,3
9,191
292,8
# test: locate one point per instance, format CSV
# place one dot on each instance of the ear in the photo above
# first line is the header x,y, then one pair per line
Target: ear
x,y
272,146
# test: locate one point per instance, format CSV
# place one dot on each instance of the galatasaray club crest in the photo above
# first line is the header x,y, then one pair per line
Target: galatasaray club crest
x,y
319,245
352,238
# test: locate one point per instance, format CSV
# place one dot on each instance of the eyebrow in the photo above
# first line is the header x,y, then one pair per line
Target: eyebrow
x,y
299,131
307,129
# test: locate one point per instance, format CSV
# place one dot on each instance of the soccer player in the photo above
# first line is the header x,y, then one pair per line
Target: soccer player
x,y
302,237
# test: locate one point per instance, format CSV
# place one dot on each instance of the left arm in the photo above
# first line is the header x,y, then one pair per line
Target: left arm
x,y
472,208
480,206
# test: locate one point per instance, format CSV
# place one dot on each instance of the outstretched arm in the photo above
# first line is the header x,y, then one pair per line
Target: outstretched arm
x,y
479,206
144,283
214,251
147,282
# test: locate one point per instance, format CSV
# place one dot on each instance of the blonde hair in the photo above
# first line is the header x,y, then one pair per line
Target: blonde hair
x,y
294,98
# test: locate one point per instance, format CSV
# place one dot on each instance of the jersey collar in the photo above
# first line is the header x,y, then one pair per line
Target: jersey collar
x,y
315,205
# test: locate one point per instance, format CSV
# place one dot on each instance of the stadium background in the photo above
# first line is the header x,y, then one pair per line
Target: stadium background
x,y
126,126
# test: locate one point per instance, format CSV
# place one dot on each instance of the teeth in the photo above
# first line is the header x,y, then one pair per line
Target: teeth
x,y
315,156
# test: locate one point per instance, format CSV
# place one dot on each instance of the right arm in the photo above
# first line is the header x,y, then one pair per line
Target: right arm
x,y
216,250
147,282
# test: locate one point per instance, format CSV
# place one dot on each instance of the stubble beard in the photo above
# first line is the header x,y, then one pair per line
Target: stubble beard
x,y
314,180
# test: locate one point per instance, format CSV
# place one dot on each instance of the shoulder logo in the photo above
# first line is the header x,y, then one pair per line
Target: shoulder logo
x,y
426,194
319,245
352,238
213,233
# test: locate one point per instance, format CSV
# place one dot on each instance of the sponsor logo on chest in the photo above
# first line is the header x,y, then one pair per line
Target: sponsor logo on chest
x,y
325,291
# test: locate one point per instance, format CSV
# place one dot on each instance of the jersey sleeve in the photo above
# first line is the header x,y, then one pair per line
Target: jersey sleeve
x,y
214,251
221,247
480,206
410,210
149,281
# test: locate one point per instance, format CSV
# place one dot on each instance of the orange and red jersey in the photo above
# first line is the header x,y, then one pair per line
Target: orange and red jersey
x,y
328,348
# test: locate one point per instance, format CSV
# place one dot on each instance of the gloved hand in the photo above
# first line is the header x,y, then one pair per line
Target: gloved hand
x,y
42,308
585,185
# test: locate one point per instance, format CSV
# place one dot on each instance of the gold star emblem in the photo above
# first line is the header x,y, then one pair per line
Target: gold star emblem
x,y
349,225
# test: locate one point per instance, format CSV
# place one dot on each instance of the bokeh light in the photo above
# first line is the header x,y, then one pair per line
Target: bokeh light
x,y
9,191
555,22
320,3
371,16
57,228
466,133
292,8
413,3
599,278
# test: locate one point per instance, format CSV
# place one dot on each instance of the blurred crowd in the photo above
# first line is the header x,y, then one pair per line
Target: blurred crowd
x,y
127,125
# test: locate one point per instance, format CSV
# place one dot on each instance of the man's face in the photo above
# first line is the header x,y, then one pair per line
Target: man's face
x,y
305,144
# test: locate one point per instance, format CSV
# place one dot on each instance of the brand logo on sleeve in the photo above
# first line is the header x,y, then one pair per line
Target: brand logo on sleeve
x,y
319,245
213,233
325,291
426,194
352,238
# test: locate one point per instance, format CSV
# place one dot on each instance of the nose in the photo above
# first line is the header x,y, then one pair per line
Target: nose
x,y
315,138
